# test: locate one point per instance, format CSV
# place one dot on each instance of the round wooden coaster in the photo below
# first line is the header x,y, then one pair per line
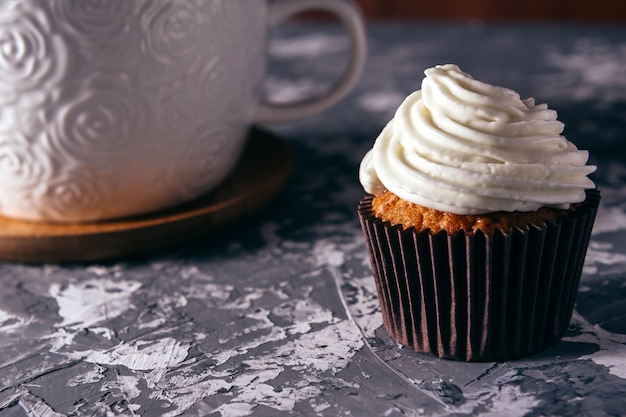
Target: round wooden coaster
x,y
260,174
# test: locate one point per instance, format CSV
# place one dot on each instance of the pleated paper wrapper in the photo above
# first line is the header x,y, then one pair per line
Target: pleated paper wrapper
x,y
479,297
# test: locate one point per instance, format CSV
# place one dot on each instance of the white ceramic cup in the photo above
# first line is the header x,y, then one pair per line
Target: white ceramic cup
x,y
113,108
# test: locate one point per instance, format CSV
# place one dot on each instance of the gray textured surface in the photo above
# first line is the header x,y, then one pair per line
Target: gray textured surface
x,y
279,317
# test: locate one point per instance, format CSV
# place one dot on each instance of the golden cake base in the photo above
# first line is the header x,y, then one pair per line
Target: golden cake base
x,y
260,174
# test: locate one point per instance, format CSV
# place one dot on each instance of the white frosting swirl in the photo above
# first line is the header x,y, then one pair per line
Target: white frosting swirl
x,y
463,146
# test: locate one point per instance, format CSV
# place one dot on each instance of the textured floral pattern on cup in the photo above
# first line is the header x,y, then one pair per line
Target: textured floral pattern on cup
x,y
33,58
102,31
112,108
103,22
186,103
108,100
20,166
72,194
189,174
102,124
174,33
230,22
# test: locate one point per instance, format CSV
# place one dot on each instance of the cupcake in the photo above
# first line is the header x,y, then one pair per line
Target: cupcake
x,y
477,220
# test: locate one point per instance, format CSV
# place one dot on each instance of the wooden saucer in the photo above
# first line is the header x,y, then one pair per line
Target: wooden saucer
x,y
260,174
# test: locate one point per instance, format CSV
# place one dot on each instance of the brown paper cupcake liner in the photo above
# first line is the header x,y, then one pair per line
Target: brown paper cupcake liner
x,y
479,297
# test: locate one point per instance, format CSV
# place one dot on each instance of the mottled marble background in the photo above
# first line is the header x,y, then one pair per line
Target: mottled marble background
x,y
278,316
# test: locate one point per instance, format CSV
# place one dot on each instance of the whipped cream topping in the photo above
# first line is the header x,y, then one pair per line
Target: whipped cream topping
x,y
467,147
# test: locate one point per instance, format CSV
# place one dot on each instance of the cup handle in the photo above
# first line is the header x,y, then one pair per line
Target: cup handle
x,y
349,16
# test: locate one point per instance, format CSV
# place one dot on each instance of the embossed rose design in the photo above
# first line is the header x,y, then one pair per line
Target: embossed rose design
x,y
173,32
178,120
225,91
240,27
238,22
73,195
21,167
199,166
33,59
181,108
106,31
104,120
213,82
101,20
